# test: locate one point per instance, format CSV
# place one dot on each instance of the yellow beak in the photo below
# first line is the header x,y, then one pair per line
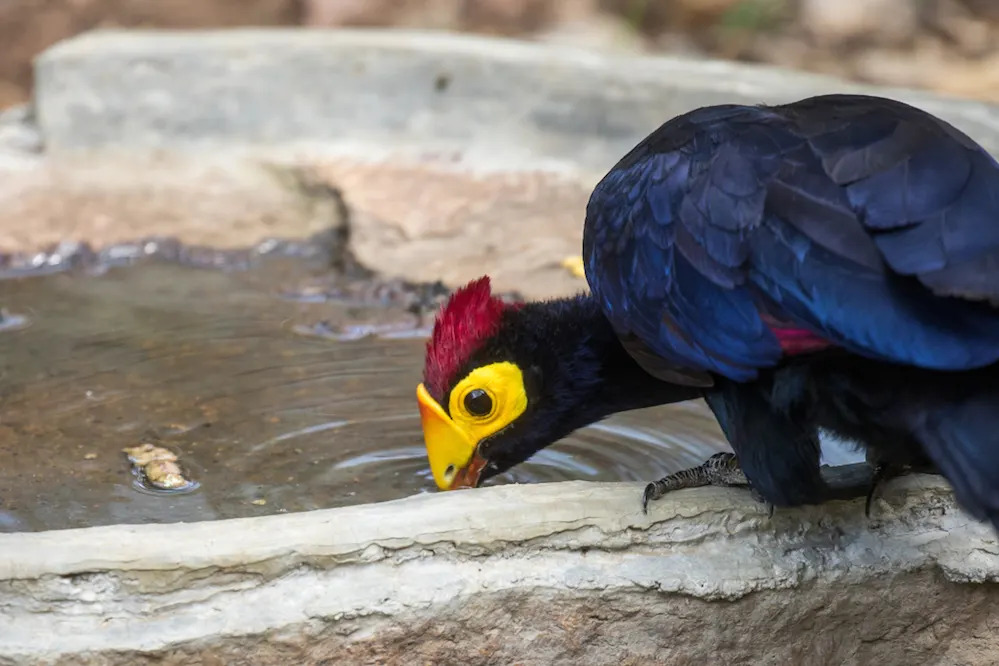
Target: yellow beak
x,y
451,452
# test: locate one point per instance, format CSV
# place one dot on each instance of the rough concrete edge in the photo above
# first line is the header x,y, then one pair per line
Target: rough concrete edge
x,y
487,518
741,81
150,587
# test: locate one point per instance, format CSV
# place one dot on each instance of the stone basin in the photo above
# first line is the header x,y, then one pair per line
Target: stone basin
x,y
455,156
557,573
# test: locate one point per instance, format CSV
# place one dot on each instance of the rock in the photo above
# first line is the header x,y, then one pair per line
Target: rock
x,y
486,16
963,79
986,9
568,573
860,20
973,33
676,15
429,222
601,32
482,162
490,101
18,132
439,14
510,17
327,13
29,26
106,199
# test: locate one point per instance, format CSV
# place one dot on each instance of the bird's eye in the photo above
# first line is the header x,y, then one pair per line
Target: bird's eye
x,y
478,403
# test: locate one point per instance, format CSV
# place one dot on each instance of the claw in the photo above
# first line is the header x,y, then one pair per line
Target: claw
x,y
880,473
762,500
647,497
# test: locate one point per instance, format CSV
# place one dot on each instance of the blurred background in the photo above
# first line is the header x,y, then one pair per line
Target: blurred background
x,y
948,46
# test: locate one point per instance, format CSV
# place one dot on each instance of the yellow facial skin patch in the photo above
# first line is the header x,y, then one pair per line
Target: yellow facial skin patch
x,y
451,441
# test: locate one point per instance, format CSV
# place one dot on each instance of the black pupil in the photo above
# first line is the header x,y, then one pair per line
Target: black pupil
x,y
478,402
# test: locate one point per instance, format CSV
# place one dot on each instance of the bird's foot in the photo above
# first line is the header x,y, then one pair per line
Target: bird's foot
x,y
721,469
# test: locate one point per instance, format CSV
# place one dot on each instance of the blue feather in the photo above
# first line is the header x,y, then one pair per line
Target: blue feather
x,y
864,225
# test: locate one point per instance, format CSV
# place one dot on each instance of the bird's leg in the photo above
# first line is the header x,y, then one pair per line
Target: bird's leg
x,y
721,469
882,471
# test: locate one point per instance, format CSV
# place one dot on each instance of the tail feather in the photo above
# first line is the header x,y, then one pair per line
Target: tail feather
x,y
962,439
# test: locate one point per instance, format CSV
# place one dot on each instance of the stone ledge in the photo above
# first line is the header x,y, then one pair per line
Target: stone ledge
x,y
385,566
442,183
497,102
457,155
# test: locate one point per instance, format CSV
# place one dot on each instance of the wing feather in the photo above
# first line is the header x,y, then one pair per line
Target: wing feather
x,y
862,220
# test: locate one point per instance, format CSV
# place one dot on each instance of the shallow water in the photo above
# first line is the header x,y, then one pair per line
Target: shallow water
x,y
280,388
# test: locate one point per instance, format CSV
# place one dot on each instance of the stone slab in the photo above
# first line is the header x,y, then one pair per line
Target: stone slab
x,y
458,155
495,101
361,575
373,579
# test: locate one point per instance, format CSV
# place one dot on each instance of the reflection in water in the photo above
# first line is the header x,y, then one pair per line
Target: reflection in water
x,y
266,409
307,430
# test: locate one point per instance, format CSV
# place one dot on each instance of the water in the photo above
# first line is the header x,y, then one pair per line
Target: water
x,y
279,387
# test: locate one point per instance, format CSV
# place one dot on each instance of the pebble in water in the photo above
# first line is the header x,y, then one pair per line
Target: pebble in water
x,y
158,467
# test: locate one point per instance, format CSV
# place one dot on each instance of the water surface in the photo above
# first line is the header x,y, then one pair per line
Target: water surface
x,y
279,386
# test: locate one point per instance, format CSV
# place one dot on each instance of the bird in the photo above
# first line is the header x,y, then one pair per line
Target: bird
x,y
825,265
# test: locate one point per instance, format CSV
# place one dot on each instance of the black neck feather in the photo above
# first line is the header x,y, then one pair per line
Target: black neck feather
x,y
582,363
576,373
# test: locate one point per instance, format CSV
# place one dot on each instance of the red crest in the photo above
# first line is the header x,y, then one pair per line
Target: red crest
x,y
470,317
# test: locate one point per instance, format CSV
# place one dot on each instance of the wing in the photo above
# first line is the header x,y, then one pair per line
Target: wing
x,y
734,235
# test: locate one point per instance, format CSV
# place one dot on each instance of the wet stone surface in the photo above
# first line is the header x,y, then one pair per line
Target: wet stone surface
x,y
278,384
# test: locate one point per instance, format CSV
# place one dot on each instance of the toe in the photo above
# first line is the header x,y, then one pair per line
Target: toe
x,y
648,496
